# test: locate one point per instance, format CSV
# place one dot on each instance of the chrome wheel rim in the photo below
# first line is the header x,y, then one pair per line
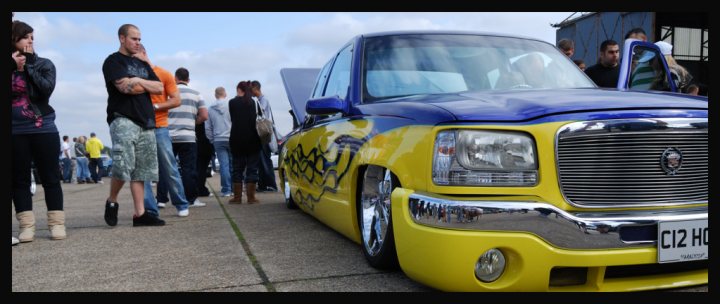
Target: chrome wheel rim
x,y
375,208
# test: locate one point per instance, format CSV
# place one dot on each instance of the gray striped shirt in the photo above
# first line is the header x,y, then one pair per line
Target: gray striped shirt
x,y
181,120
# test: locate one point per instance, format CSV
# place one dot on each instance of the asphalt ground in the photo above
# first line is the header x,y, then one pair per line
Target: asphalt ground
x,y
218,248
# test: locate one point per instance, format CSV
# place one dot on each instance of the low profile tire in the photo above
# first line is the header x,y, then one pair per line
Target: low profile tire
x,y
289,202
374,217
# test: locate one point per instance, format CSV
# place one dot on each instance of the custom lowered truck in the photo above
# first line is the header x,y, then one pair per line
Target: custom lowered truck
x,y
487,162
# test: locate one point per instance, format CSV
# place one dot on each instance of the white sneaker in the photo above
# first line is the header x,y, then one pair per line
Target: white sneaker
x,y
227,194
184,213
161,205
197,203
15,241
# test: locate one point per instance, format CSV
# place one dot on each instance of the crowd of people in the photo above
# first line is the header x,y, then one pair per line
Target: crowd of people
x,y
645,74
163,132
80,160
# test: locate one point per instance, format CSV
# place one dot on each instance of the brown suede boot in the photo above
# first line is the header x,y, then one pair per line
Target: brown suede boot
x,y
251,193
56,224
27,226
237,194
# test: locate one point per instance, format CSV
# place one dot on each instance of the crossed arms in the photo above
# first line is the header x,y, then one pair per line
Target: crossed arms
x,y
136,85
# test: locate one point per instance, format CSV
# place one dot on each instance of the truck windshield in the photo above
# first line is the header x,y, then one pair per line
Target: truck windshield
x,y
401,65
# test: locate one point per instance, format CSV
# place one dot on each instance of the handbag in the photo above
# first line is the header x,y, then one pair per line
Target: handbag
x,y
263,125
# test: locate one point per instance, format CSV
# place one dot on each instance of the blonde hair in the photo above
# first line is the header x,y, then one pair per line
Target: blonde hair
x,y
674,65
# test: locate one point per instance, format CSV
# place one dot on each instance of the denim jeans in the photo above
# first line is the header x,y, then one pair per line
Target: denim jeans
x,y
187,154
265,169
168,174
222,149
82,170
67,167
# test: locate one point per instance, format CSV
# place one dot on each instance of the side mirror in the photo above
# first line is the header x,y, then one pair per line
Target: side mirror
x,y
326,106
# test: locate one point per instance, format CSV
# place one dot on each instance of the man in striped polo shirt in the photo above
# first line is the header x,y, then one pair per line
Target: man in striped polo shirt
x,y
181,123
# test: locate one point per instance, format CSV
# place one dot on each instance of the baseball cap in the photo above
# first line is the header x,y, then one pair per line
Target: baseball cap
x,y
665,48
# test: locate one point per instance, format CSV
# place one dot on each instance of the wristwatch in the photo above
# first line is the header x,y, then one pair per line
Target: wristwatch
x,y
156,106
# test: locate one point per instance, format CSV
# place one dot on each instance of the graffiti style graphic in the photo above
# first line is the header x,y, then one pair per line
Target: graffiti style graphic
x,y
323,169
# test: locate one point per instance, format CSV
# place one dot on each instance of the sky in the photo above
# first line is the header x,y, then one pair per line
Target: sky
x,y
221,49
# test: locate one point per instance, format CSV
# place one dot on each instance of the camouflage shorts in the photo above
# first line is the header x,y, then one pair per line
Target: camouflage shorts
x,y
134,151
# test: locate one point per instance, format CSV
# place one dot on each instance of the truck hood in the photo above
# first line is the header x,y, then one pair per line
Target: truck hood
x,y
298,84
524,105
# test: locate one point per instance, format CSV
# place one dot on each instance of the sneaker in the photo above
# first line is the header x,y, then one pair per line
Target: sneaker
x,y
111,212
147,219
161,204
184,213
198,203
227,194
100,182
270,189
15,241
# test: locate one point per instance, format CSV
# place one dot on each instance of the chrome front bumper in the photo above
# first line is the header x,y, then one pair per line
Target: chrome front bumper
x,y
577,230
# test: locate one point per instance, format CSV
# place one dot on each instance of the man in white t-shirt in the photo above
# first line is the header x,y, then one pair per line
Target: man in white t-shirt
x,y
66,159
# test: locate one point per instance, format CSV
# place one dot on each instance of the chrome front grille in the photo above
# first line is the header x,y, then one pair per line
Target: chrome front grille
x,y
617,163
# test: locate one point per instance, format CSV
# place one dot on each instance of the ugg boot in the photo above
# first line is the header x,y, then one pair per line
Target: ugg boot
x,y
27,226
56,224
251,193
237,194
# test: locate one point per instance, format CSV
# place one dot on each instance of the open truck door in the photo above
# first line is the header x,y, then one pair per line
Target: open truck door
x,y
643,67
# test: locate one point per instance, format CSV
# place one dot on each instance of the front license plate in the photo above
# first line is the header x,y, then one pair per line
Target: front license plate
x,y
682,241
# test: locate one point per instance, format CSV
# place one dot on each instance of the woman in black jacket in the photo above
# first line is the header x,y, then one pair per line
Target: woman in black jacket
x,y
244,144
34,134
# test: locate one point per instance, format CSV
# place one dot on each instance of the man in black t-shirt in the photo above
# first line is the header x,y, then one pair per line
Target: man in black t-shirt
x,y
129,80
607,71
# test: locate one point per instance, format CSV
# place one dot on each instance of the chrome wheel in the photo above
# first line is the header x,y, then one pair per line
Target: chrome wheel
x,y
375,209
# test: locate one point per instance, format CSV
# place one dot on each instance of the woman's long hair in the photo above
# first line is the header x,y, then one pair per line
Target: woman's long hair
x,y
246,87
19,31
674,65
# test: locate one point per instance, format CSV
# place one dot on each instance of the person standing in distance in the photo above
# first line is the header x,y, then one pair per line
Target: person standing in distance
x,y
266,170
94,147
607,71
182,122
567,46
167,165
129,82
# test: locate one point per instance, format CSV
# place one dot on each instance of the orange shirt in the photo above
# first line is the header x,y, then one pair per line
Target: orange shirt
x,y
169,86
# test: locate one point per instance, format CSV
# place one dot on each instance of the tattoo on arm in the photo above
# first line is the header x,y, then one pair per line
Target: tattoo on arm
x,y
129,87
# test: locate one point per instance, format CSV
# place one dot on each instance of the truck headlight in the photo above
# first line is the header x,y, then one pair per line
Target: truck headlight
x,y
484,158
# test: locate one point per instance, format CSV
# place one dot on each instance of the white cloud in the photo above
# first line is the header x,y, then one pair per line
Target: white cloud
x,y
62,32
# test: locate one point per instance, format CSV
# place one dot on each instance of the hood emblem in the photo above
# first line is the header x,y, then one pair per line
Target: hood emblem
x,y
671,160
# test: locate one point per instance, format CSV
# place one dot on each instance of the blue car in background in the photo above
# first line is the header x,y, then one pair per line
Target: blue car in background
x,y
106,167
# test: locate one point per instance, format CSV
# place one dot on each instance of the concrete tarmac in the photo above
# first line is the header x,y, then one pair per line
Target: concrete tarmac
x,y
226,248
